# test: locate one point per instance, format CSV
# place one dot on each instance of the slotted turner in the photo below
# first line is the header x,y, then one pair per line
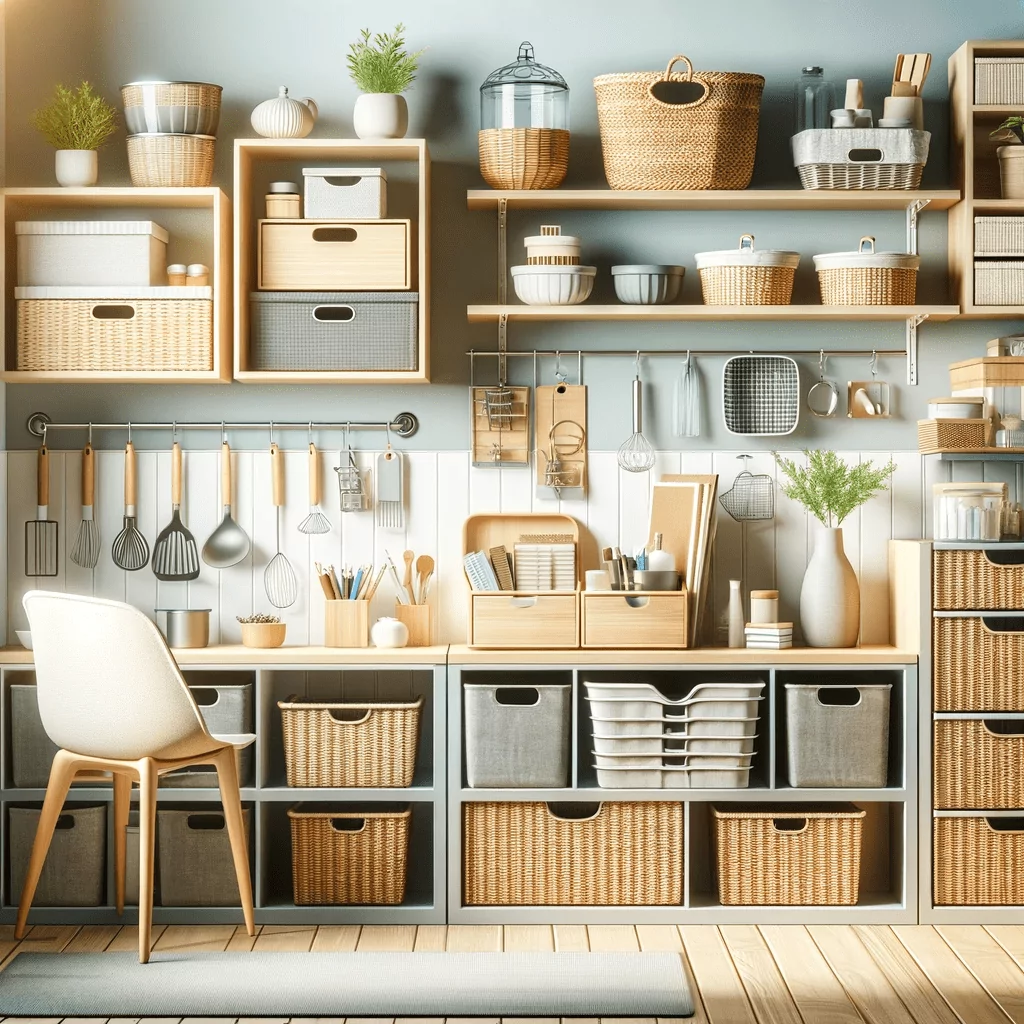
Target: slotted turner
x,y
130,550
41,537
175,555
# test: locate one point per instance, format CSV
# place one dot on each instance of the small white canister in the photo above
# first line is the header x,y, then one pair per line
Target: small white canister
x,y
764,607
389,632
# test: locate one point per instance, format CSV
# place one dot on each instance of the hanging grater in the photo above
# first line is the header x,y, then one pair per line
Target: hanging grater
x,y
390,490
750,497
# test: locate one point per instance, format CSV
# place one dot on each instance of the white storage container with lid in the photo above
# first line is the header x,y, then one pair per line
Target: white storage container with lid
x,y
746,276
349,192
552,248
864,277
89,252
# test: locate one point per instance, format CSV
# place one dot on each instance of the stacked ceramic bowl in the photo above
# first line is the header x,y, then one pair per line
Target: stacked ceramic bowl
x,y
172,129
645,740
552,275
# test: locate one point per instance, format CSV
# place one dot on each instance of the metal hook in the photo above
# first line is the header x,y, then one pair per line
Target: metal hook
x,y
44,433
387,431
638,362
821,362
309,435
223,433
874,363
90,435
271,433
129,433
560,375
174,432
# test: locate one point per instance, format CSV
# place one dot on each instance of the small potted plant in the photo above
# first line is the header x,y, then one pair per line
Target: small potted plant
x,y
1011,157
262,630
830,490
76,122
383,69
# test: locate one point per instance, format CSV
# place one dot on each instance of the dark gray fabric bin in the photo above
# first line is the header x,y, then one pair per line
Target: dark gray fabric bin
x,y
31,749
196,869
75,871
342,331
227,710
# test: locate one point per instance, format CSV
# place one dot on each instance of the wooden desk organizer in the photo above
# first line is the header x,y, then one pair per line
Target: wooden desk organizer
x,y
346,623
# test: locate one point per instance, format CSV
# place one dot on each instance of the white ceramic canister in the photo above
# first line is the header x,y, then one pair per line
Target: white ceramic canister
x,y
764,606
598,579
284,117
389,632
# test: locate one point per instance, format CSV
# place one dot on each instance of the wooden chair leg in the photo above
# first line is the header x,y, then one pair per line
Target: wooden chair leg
x,y
122,804
62,772
227,776
147,853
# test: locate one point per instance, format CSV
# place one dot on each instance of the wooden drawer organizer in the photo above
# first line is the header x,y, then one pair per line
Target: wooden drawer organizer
x,y
979,861
521,619
978,664
972,581
656,619
343,255
977,767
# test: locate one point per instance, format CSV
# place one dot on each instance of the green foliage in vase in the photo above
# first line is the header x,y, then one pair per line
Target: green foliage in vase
x,y
381,63
1011,130
76,118
830,489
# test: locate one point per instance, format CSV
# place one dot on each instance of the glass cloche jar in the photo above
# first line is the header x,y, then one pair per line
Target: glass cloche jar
x,y
524,125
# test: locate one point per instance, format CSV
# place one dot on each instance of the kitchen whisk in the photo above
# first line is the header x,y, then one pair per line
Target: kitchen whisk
x,y
636,454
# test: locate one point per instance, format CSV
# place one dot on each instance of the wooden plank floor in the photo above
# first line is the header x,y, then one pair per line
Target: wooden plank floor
x,y
741,974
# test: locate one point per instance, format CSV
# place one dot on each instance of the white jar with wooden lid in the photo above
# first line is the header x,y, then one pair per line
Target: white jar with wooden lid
x,y
764,607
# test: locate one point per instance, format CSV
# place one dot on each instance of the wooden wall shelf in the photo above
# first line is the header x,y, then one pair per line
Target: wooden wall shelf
x,y
622,311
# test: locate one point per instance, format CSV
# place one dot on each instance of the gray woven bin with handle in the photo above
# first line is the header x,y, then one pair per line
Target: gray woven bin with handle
x,y
196,867
341,331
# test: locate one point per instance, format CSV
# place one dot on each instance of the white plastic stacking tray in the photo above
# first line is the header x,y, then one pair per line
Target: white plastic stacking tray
x,y
674,776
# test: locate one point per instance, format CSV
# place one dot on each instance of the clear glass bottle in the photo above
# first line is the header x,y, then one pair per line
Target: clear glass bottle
x,y
814,99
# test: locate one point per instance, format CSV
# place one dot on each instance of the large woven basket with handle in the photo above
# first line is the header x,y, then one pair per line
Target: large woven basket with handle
x,y
650,142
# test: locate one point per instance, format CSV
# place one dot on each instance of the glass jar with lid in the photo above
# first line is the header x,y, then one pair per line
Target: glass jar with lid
x,y
524,125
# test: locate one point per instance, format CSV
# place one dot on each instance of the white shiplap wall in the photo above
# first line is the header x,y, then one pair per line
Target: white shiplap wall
x,y
442,489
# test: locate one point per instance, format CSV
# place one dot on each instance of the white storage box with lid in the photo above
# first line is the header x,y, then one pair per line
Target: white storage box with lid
x,y
345,192
999,236
999,282
746,276
91,252
998,80
864,277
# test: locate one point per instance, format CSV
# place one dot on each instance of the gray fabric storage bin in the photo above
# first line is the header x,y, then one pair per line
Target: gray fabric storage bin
x,y
838,744
333,330
196,869
517,737
227,711
32,750
75,871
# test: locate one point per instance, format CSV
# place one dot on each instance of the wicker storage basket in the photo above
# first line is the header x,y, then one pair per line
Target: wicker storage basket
x,y
91,334
866,277
373,747
708,143
522,854
978,767
171,161
747,276
950,435
977,669
999,236
999,282
999,80
350,856
978,861
971,581
786,856
861,158
516,158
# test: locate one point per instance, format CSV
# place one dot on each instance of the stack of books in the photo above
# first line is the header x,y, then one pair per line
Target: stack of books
x,y
769,636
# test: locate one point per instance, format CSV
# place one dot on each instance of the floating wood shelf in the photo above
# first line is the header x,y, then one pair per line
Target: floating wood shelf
x,y
669,313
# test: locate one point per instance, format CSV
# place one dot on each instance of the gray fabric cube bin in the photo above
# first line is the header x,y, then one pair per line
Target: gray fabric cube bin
x,y
517,736
227,710
832,741
341,331
75,871
32,750
196,869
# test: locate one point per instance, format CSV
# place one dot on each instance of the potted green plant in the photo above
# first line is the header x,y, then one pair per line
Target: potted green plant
x,y
76,122
1011,157
830,490
383,69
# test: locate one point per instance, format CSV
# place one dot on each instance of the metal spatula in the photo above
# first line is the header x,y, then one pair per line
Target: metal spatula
x,y
175,555
41,535
130,550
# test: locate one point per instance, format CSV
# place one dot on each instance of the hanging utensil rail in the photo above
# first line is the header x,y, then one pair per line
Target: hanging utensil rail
x,y
631,353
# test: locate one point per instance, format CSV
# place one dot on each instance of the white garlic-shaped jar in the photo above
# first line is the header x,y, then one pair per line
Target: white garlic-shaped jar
x,y
284,117
388,632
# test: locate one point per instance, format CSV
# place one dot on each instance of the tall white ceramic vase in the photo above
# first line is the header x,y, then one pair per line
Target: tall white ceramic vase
x,y
830,595
76,167
380,115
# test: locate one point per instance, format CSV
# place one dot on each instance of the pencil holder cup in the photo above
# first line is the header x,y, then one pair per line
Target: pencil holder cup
x,y
347,623
418,620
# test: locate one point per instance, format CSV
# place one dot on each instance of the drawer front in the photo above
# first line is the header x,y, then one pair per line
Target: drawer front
x,y
977,861
979,765
974,581
978,663
321,256
543,621
635,620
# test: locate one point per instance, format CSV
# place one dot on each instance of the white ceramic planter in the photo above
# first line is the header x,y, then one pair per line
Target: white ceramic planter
x,y
830,595
380,115
76,168
1011,171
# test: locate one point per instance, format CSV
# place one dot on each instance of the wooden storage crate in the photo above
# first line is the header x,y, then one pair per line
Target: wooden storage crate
x,y
655,619
978,767
977,668
978,861
987,372
950,435
342,255
972,581
544,620
527,854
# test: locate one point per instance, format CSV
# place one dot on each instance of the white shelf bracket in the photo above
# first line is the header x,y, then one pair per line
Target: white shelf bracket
x,y
913,209
913,322
502,290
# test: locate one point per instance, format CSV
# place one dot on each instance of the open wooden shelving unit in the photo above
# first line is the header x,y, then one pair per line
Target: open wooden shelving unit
x,y
251,158
34,203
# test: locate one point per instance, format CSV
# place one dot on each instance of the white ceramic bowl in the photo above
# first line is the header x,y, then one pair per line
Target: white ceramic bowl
x,y
24,638
553,286
647,284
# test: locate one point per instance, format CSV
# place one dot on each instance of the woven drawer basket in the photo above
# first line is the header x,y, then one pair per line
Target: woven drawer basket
x,y
162,334
971,581
999,282
978,768
999,236
521,854
350,856
977,669
521,158
373,746
978,861
950,435
868,286
817,861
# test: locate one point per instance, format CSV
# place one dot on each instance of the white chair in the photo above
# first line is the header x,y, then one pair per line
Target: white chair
x,y
112,699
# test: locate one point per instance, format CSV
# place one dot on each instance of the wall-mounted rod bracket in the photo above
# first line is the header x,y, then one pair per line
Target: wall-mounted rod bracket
x,y
502,290
913,322
913,209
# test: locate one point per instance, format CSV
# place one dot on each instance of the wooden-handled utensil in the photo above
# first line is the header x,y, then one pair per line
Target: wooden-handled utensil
x,y
316,521
229,543
279,576
86,551
130,550
175,555
41,533
424,570
408,556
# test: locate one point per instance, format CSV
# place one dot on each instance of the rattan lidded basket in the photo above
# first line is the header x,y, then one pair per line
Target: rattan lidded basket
x,y
746,276
865,277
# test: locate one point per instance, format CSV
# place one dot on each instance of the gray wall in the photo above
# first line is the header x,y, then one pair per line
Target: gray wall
x,y
252,46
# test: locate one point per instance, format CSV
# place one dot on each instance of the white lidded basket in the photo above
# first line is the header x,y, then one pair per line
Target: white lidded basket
x,y
333,193
553,286
861,158
865,277
999,282
999,236
746,276
552,248
60,253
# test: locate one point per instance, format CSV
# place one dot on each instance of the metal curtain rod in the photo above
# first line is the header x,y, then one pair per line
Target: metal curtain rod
x,y
405,424
632,353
